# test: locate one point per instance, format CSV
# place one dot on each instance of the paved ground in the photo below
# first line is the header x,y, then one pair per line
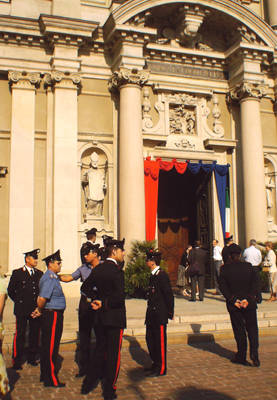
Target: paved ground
x,y
195,372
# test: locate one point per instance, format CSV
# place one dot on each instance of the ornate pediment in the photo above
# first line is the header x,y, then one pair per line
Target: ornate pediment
x,y
194,27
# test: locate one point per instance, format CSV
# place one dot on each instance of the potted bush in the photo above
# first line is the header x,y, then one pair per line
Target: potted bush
x,y
136,272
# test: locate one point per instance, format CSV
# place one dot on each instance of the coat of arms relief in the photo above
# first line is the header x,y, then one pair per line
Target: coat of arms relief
x,y
182,119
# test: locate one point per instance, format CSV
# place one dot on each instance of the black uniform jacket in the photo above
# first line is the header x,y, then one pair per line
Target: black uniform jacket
x,y
238,280
106,283
160,304
23,289
200,257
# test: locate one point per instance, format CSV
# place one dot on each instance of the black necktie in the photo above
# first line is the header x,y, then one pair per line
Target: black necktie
x,y
32,272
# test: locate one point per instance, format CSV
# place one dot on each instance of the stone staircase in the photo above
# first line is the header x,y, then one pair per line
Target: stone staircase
x,y
201,320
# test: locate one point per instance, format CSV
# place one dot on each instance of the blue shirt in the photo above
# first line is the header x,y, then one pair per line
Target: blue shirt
x,y
82,272
51,290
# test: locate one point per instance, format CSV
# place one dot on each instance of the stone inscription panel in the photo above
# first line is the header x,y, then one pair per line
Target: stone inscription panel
x,y
184,70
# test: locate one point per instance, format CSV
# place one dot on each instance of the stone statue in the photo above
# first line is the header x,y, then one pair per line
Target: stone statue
x,y
269,185
94,187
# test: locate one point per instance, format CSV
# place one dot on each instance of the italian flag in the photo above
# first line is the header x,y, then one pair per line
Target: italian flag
x,y
227,212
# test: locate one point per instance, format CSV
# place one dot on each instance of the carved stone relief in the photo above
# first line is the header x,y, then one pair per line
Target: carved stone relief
x,y
183,119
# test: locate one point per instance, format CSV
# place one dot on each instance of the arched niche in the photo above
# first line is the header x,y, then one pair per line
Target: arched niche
x,y
102,219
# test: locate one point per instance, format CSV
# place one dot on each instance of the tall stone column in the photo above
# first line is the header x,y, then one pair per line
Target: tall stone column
x,y
21,217
66,180
131,169
272,13
249,95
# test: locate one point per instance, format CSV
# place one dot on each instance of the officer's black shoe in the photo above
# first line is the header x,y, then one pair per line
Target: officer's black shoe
x,y
151,368
256,362
242,362
17,367
110,396
155,373
192,300
59,385
88,386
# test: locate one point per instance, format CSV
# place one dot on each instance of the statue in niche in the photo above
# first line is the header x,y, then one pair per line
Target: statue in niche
x,y
270,186
94,186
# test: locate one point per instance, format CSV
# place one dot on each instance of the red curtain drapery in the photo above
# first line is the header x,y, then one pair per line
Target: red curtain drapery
x,y
151,183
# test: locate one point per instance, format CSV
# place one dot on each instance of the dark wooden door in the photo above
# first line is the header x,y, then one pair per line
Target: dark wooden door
x,y
173,236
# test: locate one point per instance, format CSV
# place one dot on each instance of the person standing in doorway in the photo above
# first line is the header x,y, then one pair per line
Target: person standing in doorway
x,y
23,289
198,258
217,259
160,308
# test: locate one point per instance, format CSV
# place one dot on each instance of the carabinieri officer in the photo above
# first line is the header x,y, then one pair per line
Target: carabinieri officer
x,y
108,279
160,307
50,305
23,290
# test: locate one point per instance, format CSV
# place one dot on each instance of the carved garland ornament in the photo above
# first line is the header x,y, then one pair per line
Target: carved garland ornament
x,y
128,76
247,89
24,80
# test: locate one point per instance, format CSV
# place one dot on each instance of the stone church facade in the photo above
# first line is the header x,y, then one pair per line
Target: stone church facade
x,y
90,88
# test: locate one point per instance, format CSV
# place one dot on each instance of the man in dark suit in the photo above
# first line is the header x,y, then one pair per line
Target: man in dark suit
x,y
23,289
225,251
160,308
239,284
105,289
197,259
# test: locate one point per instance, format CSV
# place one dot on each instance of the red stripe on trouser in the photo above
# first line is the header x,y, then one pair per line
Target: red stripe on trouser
x,y
52,342
14,342
118,358
162,350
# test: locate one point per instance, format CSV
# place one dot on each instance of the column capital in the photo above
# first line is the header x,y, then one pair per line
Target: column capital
x,y
125,76
64,80
246,90
24,80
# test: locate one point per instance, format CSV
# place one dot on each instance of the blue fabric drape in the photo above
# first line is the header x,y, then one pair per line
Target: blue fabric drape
x,y
221,172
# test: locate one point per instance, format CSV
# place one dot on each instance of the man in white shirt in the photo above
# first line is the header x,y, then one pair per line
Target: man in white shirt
x,y
254,256
217,258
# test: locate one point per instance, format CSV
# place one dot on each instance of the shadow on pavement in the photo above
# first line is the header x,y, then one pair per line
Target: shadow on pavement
x,y
193,393
206,342
217,298
137,352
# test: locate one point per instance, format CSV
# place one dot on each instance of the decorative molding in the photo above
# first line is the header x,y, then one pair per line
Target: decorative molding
x,y
65,80
24,80
247,90
66,31
128,76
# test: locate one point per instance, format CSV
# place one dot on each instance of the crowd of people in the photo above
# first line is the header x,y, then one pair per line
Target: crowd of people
x,y
192,267
39,304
